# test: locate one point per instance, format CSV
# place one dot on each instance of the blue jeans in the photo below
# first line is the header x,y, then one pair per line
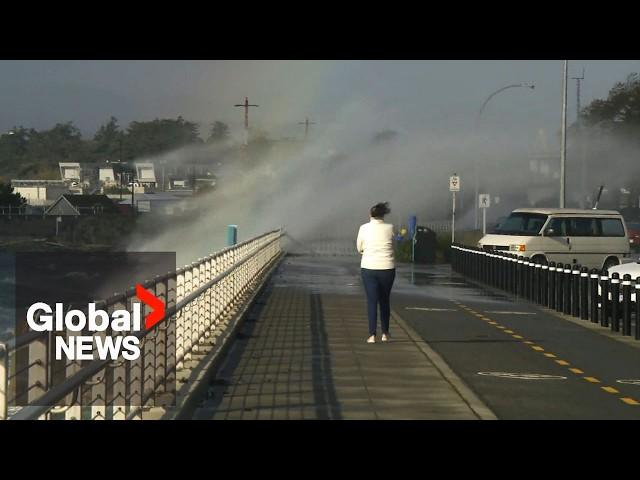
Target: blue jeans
x,y
377,285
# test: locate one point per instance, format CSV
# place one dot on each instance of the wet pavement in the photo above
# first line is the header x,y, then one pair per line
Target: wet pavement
x,y
523,361
459,351
302,355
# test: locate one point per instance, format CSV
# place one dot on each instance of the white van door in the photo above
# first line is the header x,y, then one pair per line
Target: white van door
x,y
586,244
556,243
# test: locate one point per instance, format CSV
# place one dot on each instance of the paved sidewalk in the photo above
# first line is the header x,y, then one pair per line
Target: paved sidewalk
x,y
302,355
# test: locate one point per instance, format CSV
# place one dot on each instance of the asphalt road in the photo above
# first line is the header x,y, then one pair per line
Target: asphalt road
x,y
522,362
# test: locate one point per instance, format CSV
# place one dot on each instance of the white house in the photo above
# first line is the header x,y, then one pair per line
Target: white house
x,y
40,192
70,171
146,174
106,175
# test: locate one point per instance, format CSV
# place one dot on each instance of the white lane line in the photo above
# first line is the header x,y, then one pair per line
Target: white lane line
x,y
630,382
504,312
523,376
427,309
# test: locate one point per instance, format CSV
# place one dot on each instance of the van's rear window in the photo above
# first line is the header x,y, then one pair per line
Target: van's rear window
x,y
522,224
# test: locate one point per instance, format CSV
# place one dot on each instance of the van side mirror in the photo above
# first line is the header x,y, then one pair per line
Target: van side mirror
x,y
550,232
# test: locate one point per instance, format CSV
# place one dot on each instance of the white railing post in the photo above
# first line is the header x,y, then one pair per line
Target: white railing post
x,y
180,320
119,386
188,313
208,309
37,372
4,381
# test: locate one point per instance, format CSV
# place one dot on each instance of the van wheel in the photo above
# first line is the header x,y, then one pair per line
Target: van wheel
x,y
610,262
541,259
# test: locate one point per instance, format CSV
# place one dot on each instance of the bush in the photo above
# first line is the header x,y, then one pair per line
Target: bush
x,y
402,250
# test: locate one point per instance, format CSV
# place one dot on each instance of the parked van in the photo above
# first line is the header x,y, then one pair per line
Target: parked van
x,y
591,238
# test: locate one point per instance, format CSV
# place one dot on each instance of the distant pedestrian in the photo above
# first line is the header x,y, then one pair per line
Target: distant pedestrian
x,y
375,243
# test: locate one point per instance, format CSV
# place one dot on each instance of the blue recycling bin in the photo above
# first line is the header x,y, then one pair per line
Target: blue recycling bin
x,y
232,235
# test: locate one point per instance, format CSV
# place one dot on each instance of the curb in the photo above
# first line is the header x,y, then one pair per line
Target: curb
x,y
479,408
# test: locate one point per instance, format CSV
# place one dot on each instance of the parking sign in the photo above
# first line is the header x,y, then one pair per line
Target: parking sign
x,y
454,183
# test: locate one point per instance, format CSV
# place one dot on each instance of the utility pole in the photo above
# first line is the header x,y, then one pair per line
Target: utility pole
x,y
579,135
246,106
306,124
563,148
133,191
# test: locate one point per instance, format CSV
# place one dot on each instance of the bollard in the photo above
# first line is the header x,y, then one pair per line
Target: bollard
x,y
626,305
637,308
551,293
560,288
505,271
527,278
575,291
593,298
513,279
567,282
615,302
531,276
520,276
526,292
495,260
536,281
604,298
584,293
544,287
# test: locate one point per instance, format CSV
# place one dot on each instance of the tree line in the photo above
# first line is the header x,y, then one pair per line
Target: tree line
x,y
28,153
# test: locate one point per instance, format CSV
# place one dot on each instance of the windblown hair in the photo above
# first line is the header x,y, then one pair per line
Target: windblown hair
x,y
379,210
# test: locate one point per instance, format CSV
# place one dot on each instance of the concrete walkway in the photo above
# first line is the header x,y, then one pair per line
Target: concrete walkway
x,y
302,355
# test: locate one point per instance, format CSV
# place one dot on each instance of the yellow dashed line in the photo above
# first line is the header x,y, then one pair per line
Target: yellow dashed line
x,y
577,371
610,389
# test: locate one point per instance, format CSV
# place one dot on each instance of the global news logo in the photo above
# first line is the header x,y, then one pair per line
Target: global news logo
x,y
126,327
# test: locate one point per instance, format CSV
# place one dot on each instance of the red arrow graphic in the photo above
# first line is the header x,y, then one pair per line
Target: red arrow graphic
x,y
154,302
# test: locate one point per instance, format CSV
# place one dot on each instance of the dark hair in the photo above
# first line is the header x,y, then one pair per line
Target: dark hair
x,y
379,210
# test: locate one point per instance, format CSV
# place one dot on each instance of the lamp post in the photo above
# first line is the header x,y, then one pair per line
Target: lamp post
x,y
476,125
563,148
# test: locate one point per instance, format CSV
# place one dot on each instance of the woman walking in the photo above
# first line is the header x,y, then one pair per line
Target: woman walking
x,y
375,243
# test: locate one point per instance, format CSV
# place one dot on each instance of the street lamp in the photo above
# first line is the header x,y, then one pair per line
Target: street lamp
x,y
477,124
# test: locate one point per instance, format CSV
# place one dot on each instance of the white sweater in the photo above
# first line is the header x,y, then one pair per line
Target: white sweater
x,y
375,243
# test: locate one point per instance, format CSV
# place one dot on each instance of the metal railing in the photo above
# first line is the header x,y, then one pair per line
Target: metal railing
x,y
593,295
200,299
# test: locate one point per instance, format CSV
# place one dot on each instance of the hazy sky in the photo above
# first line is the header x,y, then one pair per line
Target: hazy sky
x,y
403,95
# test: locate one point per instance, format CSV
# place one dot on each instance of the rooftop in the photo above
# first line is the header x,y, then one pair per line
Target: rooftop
x,y
29,183
90,201
566,211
